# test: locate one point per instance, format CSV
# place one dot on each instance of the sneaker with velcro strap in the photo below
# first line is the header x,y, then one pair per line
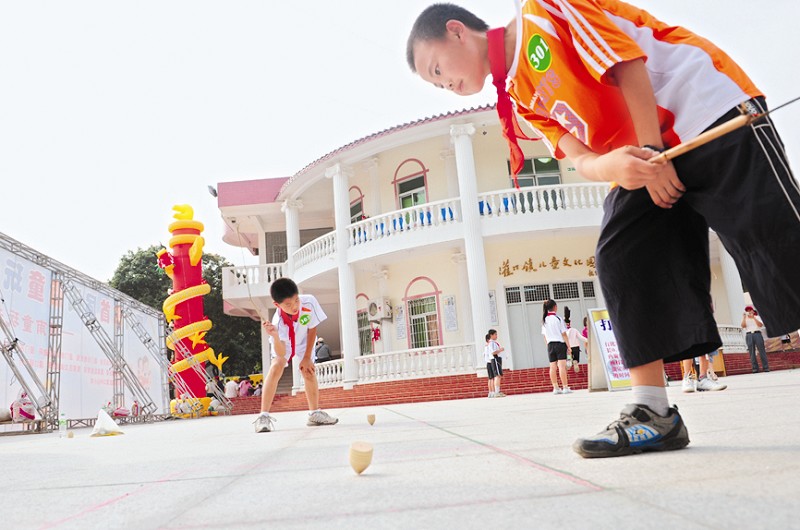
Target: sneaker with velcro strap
x,y
637,430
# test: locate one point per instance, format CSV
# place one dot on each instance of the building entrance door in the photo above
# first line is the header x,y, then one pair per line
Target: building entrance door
x,y
524,311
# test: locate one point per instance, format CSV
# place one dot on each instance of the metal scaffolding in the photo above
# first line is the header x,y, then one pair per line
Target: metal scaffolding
x,y
28,379
112,353
64,280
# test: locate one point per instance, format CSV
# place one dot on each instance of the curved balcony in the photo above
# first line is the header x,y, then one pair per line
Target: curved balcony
x,y
315,257
509,211
241,285
542,208
424,224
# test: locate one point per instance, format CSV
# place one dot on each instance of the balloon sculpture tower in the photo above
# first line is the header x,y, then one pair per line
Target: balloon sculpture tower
x,y
184,306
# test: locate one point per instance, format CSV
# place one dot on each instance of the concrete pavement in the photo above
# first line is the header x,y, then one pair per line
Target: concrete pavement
x,y
476,463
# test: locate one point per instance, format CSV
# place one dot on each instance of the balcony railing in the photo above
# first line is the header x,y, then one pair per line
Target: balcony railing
x,y
540,199
330,373
320,248
732,339
417,363
422,219
408,220
400,365
250,280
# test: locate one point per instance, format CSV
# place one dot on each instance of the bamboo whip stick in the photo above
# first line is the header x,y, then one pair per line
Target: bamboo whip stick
x,y
704,138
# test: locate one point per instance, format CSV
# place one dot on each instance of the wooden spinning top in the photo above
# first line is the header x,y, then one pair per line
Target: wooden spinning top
x,y
360,456
371,419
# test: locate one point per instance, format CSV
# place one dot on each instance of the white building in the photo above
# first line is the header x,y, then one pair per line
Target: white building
x,y
419,232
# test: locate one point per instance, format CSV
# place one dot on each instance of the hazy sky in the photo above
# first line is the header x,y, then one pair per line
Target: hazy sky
x,y
111,111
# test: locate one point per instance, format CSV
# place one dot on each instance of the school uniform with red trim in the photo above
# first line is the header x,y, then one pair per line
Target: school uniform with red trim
x,y
310,316
653,263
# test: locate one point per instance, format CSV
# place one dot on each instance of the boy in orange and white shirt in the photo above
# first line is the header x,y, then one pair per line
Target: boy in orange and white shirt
x,y
609,86
292,334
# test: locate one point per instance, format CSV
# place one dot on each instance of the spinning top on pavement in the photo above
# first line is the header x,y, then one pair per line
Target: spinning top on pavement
x,y
70,434
360,456
371,419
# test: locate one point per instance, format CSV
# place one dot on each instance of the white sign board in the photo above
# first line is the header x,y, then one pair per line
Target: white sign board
x,y
605,353
450,313
400,321
25,308
86,374
493,308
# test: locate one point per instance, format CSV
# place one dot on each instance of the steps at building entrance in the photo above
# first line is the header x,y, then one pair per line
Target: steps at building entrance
x,y
470,386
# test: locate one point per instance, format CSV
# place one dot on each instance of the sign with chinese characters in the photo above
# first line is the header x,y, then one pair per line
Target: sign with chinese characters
x,y
86,376
507,268
25,308
400,321
450,313
617,375
493,308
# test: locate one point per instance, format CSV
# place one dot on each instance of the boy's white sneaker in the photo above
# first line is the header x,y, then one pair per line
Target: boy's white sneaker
x,y
707,384
320,417
264,423
556,390
566,390
689,383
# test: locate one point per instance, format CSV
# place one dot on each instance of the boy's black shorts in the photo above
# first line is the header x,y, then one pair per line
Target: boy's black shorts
x,y
494,368
653,263
556,351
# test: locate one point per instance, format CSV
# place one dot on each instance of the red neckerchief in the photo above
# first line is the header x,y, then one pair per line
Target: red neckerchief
x,y
505,109
289,320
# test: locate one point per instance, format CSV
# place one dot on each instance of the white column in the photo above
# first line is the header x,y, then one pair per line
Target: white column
x,y
380,346
266,354
262,247
347,280
473,238
598,295
460,260
450,173
733,287
373,195
291,209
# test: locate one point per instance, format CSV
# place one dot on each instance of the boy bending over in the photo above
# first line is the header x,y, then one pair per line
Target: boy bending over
x,y
292,334
609,86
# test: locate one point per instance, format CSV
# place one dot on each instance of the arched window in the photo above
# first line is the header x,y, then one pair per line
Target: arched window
x,y
356,204
411,183
422,310
364,327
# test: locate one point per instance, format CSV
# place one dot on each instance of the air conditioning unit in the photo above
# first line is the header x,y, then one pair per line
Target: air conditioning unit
x,y
379,309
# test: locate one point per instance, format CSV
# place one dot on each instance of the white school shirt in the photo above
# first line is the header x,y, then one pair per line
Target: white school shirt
x,y
231,389
488,350
311,315
575,337
553,327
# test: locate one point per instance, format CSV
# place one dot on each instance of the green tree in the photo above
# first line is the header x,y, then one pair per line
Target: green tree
x,y
139,276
